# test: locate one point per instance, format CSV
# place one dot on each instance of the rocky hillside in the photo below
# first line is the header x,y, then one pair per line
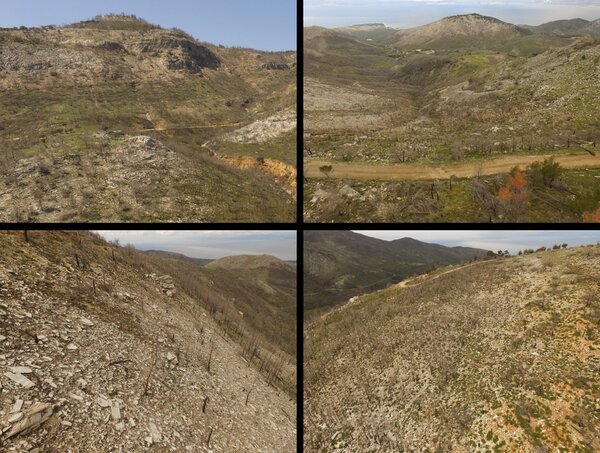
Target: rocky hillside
x,y
100,349
66,86
501,355
429,133
253,296
342,264
465,30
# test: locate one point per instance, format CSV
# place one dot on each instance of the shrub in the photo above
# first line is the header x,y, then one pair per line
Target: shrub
x,y
544,173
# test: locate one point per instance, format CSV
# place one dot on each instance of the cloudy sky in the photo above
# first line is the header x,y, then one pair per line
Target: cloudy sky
x,y
211,244
410,13
513,241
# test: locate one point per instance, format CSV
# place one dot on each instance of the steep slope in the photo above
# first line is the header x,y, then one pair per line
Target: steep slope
x,y
63,86
496,356
341,264
469,30
253,296
101,349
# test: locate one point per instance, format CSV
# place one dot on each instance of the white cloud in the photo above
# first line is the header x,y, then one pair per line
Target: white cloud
x,y
210,244
410,13
492,240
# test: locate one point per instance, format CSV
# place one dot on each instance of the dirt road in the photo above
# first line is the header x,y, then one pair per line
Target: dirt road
x,y
423,278
343,170
419,279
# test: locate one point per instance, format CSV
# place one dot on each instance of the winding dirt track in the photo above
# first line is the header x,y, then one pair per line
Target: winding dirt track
x,y
415,281
343,170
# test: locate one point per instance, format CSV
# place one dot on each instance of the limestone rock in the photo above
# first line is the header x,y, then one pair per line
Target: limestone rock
x,y
20,379
37,414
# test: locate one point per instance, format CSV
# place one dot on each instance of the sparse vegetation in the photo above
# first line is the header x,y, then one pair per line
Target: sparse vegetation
x,y
75,96
385,113
121,349
487,357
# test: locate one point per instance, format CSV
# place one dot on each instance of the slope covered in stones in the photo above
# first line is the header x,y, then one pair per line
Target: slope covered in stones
x,y
102,351
500,355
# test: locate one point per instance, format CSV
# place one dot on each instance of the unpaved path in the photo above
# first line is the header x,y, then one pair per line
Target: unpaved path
x,y
423,278
403,284
211,126
342,170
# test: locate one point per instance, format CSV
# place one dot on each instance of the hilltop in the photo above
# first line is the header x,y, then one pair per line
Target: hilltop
x,y
469,30
426,124
341,264
498,355
249,262
180,256
116,119
103,345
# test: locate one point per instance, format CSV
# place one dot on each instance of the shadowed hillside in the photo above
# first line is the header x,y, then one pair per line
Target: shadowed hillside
x,y
342,264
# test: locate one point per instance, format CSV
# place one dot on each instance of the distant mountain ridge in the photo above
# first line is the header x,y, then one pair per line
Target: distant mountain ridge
x,y
248,262
454,29
180,256
340,264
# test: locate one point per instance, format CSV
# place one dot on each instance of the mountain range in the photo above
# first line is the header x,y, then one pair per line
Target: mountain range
x,y
341,264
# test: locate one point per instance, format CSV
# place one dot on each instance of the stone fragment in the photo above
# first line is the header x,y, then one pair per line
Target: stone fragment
x,y
66,423
76,397
72,347
20,379
103,402
171,356
86,322
2,338
115,412
16,417
20,369
17,406
154,432
37,414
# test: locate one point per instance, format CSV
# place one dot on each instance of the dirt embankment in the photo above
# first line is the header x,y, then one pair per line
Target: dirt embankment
x,y
285,174
442,171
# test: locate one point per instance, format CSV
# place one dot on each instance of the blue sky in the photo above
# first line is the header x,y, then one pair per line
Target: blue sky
x,y
410,13
211,244
259,24
513,241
